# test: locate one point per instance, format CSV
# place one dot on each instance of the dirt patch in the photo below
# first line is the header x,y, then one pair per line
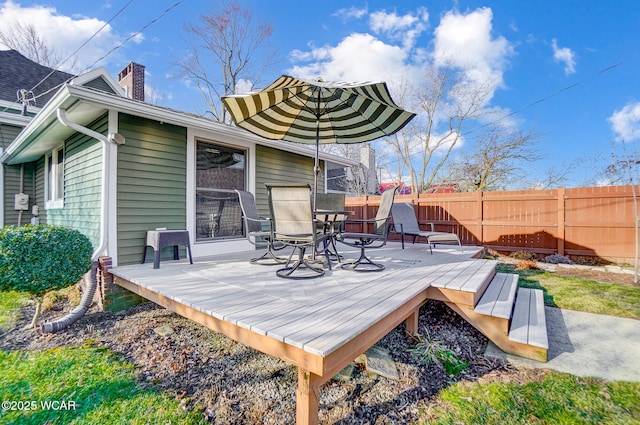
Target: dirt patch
x,y
597,275
579,272
234,384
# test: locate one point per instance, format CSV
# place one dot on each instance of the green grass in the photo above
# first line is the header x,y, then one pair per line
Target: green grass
x,y
10,304
101,386
581,295
554,398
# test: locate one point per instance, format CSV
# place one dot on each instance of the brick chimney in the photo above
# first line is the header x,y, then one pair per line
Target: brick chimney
x,y
132,79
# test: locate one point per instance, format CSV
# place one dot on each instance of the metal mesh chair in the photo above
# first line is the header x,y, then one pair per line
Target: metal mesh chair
x,y
293,224
253,225
406,223
377,239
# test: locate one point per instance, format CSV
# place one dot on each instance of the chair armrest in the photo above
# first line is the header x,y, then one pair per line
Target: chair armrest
x,y
259,220
357,220
430,223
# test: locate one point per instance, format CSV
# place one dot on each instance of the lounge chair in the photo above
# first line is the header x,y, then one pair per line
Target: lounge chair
x,y
293,224
406,223
377,239
253,225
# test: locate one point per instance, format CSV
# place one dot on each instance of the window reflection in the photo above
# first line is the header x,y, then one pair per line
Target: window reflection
x,y
219,170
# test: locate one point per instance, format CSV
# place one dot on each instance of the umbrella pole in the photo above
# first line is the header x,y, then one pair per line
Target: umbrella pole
x,y
316,167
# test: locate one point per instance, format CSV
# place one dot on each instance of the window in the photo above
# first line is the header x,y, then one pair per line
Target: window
x,y
219,170
55,179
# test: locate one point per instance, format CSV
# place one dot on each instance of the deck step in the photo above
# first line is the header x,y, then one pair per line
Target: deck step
x,y
528,324
498,298
463,284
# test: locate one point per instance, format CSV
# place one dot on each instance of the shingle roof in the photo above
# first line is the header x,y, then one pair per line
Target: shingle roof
x,y
18,72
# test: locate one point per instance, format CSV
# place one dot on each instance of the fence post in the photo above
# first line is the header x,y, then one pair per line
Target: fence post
x,y
479,213
561,218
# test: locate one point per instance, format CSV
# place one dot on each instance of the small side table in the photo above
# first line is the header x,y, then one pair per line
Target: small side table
x,y
158,239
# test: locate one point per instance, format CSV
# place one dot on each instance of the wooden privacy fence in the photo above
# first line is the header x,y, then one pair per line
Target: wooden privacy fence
x,y
578,222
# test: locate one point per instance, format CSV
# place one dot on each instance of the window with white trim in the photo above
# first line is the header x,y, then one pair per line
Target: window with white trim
x,y
219,170
54,189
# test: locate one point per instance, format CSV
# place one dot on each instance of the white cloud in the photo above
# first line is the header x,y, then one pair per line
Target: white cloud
x,y
358,57
64,34
465,42
156,96
625,123
352,12
406,28
388,54
564,55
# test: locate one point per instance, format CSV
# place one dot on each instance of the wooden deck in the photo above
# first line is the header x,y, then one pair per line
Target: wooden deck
x,y
321,324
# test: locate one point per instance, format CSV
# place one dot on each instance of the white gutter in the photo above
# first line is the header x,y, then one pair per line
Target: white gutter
x,y
184,119
102,245
90,277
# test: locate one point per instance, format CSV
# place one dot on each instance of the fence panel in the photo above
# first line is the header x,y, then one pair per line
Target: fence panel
x,y
580,222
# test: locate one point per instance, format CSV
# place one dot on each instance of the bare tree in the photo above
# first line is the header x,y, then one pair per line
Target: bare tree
x,y
445,104
495,161
24,39
224,47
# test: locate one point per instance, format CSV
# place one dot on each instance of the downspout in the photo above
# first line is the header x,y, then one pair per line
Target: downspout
x,y
21,192
90,278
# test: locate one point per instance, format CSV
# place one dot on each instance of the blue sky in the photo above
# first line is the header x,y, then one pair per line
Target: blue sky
x,y
568,70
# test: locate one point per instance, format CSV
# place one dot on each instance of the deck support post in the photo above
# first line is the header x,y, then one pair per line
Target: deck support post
x,y
307,397
411,324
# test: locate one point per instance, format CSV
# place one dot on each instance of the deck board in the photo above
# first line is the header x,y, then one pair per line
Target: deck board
x,y
519,331
504,304
317,315
334,328
537,321
497,300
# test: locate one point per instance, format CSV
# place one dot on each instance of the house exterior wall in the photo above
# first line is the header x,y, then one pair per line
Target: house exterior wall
x,y
39,189
12,187
11,180
99,84
151,184
82,184
277,167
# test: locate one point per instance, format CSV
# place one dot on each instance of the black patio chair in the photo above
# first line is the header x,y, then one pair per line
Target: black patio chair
x,y
293,224
256,233
406,223
377,239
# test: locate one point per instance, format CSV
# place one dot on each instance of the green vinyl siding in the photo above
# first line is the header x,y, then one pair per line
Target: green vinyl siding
x,y
82,183
151,182
8,133
11,179
39,181
12,187
99,84
274,166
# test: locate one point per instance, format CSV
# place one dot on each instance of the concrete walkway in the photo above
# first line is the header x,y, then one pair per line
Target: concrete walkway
x,y
586,344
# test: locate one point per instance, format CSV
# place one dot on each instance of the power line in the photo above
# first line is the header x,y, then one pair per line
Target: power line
x,y
56,68
148,24
544,99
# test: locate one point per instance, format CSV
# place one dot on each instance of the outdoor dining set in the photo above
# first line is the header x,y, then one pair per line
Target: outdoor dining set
x,y
311,234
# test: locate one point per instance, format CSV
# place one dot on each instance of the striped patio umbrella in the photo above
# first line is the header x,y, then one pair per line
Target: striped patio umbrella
x,y
318,112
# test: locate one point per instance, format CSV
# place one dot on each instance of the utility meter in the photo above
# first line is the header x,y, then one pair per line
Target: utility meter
x,y
21,201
